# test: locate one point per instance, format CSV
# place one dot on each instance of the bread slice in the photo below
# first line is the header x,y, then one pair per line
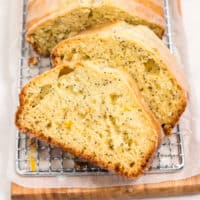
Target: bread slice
x,y
49,22
138,51
94,112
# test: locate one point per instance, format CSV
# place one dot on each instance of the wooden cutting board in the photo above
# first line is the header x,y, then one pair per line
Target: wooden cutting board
x,y
169,188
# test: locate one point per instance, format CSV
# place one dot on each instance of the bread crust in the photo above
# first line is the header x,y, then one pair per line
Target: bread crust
x,y
146,161
41,11
149,41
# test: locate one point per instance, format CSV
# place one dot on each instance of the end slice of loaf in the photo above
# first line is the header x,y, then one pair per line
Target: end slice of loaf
x,y
93,112
137,50
49,22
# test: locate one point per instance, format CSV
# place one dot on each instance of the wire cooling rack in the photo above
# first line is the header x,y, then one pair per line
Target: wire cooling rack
x,y
34,157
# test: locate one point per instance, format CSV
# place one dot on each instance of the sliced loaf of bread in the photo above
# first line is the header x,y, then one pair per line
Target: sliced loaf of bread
x,y
137,50
93,112
49,22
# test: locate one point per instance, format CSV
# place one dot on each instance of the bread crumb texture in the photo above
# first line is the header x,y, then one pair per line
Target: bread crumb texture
x,y
93,113
122,46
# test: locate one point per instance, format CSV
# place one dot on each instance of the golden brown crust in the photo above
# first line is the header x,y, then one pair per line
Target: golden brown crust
x,y
38,10
146,161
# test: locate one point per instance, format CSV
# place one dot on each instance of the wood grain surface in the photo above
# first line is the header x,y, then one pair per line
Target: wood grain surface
x,y
170,188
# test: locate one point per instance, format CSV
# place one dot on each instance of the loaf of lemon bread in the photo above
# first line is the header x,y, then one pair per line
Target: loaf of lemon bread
x,y
94,112
140,52
50,21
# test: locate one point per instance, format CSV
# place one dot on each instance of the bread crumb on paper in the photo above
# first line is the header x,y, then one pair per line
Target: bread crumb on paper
x,y
33,61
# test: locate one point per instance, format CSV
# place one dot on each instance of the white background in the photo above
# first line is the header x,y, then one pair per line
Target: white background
x,y
191,16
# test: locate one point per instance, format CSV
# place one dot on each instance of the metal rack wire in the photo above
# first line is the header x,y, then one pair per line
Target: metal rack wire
x,y
34,157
